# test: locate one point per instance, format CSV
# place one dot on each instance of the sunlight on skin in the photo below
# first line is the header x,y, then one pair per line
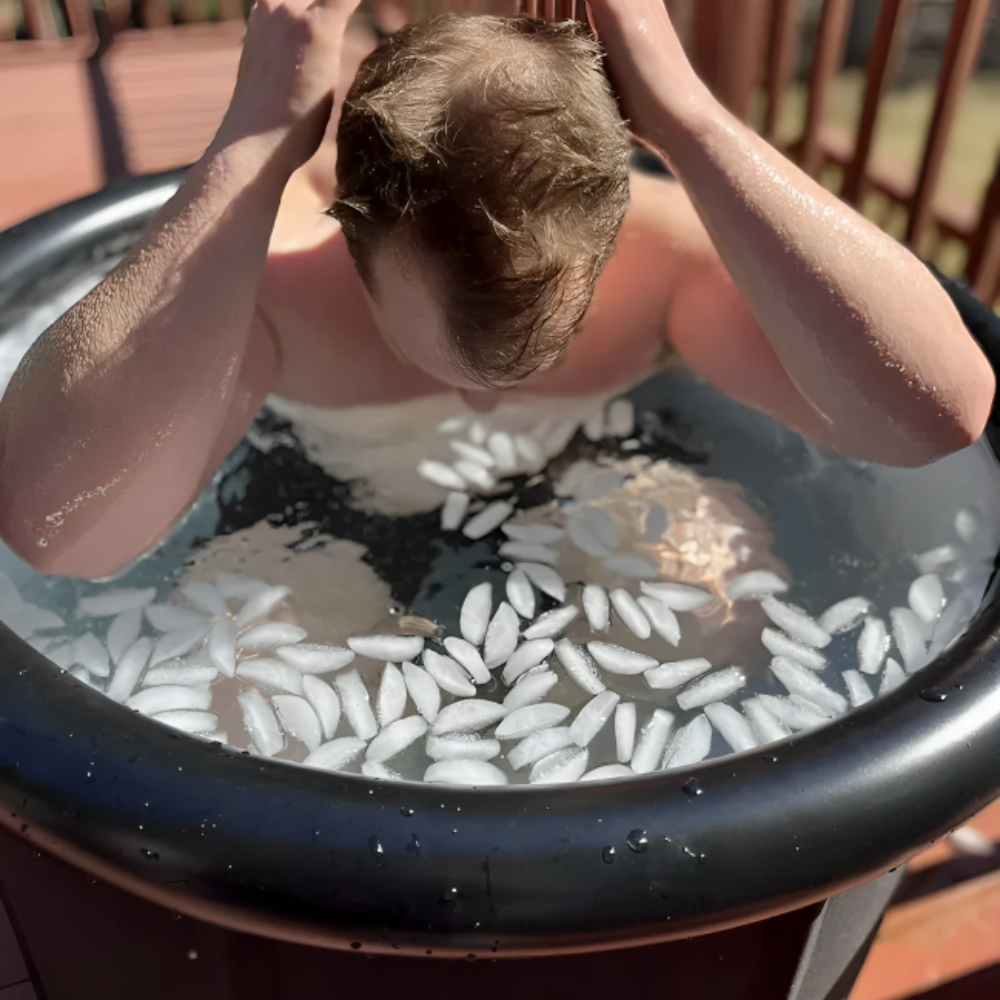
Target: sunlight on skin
x,y
411,322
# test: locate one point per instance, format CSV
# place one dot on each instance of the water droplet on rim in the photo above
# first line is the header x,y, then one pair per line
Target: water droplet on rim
x,y
692,787
637,841
609,854
934,695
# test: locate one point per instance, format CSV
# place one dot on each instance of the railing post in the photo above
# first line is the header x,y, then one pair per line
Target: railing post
x,y
983,268
781,62
880,60
961,52
827,57
728,49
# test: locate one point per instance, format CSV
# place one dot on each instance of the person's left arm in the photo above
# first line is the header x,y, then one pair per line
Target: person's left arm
x,y
807,311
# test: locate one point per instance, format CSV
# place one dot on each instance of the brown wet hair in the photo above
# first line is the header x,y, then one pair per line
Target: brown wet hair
x,y
494,148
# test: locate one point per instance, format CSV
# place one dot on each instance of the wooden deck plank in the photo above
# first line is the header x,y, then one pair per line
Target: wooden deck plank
x,y
50,147
934,940
986,822
171,89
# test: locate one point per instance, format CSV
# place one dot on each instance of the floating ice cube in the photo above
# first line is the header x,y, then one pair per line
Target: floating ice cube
x,y
488,519
261,723
545,578
909,636
271,635
798,680
652,742
423,689
453,511
733,726
475,773
335,755
675,674
395,738
314,658
691,744
470,658
592,718
625,722
796,623
461,746
756,584
552,622
271,673
448,674
844,615
677,596
299,720
712,687
560,768
355,703
618,660
529,654
521,594
630,613
169,697
597,607
441,475
109,603
857,688
221,647
470,715
579,667
524,721
926,598
475,614
779,644
387,647
501,636
325,703
530,688
663,621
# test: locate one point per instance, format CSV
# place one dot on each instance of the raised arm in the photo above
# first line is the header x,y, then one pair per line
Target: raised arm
x,y
818,317
127,404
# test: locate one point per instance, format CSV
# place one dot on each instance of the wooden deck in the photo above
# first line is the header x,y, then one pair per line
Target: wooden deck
x,y
171,89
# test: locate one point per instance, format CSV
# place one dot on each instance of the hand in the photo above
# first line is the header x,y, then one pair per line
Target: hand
x,y
655,83
288,70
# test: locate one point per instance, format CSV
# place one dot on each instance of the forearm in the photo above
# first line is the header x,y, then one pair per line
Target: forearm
x,y
862,328
112,417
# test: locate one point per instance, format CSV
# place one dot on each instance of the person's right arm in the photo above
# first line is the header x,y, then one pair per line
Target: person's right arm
x,y
123,408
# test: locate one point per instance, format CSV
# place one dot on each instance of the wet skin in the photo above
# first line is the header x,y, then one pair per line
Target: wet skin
x,y
765,284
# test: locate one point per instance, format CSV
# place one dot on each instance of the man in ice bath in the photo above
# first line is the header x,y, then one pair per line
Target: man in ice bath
x,y
486,237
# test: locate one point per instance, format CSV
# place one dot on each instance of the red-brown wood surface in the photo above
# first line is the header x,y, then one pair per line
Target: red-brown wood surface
x,y
964,42
827,57
781,61
891,16
731,60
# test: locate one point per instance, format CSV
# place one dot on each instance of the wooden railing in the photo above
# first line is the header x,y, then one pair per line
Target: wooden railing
x,y
916,189
755,54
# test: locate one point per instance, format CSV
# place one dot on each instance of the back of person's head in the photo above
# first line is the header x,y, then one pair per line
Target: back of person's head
x,y
493,148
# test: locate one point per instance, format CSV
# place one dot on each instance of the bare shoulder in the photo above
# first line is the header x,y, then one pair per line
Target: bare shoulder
x,y
662,217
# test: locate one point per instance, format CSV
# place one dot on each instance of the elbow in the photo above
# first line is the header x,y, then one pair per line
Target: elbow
x,y
970,409
958,424
980,395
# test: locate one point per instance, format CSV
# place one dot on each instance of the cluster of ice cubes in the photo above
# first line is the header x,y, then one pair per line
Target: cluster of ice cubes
x,y
482,706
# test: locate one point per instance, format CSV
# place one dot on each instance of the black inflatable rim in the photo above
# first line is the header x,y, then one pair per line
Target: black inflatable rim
x,y
339,861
